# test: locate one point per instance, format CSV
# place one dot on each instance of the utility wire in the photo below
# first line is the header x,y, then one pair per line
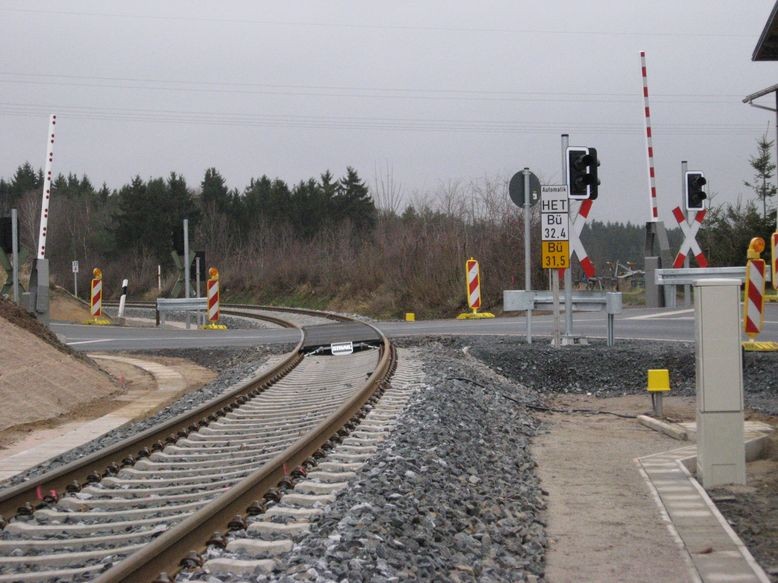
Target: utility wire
x,y
290,121
224,87
178,18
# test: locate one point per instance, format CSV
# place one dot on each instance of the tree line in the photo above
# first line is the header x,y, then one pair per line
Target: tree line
x,y
324,241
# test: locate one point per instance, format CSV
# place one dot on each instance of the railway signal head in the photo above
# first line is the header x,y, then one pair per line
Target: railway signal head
x,y
582,180
694,195
6,235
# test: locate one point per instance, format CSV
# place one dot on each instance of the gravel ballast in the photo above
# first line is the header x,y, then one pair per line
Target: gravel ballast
x,y
618,370
452,495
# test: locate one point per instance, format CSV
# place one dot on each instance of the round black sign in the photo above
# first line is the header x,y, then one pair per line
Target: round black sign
x,y
516,188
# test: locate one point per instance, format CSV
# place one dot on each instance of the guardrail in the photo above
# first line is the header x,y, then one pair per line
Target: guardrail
x,y
594,301
688,275
167,305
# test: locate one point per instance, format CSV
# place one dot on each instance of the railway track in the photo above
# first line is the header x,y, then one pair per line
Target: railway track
x,y
134,510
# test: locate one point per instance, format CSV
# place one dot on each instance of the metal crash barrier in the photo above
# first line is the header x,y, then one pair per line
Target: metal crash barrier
x,y
690,275
594,301
168,305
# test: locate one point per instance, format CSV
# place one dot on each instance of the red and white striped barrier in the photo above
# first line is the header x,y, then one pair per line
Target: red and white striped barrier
x,y
213,299
47,177
212,294
576,246
689,231
473,284
753,314
96,294
649,140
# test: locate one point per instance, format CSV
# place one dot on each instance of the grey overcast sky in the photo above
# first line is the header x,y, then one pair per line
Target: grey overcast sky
x,y
440,91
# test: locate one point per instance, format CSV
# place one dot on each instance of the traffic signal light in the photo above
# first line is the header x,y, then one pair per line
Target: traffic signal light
x,y
582,181
178,240
6,235
695,196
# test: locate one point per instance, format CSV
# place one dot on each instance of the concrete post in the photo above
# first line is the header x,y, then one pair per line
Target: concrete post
x,y
15,253
653,291
721,457
187,275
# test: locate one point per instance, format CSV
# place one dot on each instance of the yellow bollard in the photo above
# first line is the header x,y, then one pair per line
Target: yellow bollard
x,y
410,317
658,383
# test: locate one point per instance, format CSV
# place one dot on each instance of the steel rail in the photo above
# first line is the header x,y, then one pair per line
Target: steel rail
x,y
165,552
97,463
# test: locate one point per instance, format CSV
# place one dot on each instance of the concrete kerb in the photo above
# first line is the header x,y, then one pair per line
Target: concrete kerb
x,y
695,577
673,471
670,429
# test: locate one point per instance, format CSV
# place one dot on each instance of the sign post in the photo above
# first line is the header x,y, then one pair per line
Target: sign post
x,y
555,240
75,278
568,271
774,257
187,272
15,253
524,190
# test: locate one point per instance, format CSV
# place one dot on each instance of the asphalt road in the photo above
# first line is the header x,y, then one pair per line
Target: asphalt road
x,y
671,324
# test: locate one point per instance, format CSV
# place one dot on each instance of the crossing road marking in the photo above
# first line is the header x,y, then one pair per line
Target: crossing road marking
x,y
661,314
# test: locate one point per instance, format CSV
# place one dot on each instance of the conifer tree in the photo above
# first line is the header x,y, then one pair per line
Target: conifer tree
x,y
764,168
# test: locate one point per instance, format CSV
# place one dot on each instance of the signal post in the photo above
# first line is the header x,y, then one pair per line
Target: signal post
x,y
555,240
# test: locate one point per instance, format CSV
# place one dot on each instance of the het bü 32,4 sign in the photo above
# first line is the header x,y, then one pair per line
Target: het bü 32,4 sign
x,y
554,227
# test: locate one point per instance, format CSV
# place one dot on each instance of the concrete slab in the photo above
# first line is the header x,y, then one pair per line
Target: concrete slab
x,y
712,547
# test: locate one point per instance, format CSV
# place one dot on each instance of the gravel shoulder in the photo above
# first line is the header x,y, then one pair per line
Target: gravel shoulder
x,y
596,377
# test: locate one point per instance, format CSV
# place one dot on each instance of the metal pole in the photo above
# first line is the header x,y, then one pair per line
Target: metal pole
x,y
555,297
527,272
611,340
186,268
197,277
656,400
568,271
776,147
75,284
159,278
687,289
197,289
15,252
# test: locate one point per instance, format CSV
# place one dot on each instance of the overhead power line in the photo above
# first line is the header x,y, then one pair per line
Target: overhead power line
x,y
223,87
426,125
369,26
